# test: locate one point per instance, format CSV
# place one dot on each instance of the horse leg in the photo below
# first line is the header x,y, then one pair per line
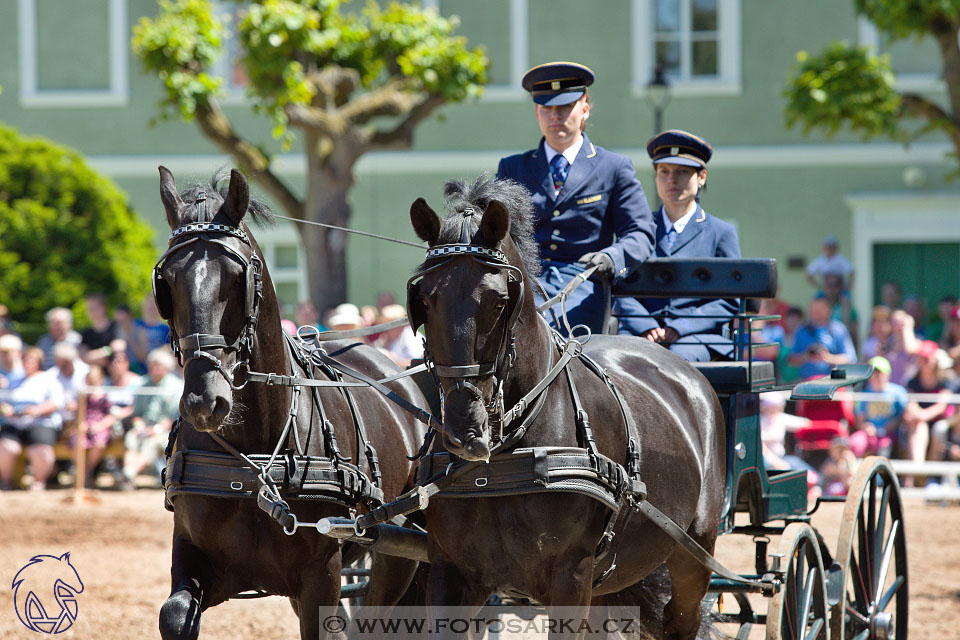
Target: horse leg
x,y
568,596
689,581
448,587
180,614
390,577
318,599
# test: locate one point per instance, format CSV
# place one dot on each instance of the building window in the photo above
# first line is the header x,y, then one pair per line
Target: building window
x,y
695,42
501,27
917,63
283,253
228,65
73,53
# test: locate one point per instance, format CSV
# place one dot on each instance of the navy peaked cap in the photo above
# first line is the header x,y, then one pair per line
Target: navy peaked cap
x,y
557,83
679,147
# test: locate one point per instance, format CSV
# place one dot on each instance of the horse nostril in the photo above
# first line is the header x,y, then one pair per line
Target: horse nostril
x,y
221,408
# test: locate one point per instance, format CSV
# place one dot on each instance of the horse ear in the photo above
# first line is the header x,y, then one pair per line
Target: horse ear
x,y
238,198
425,221
170,198
495,222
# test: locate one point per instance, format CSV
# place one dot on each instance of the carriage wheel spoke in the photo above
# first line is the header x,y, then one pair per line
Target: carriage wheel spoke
x,y
863,635
814,629
871,538
856,615
859,584
887,555
887,596
804,609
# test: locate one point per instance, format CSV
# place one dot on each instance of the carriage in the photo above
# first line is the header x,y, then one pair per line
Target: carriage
x,y
859,590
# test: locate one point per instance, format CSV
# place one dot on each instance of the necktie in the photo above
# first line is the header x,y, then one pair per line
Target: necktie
x,y
559,168
671,238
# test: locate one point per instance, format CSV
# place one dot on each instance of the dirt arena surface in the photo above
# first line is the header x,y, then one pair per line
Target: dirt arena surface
x,y
121,550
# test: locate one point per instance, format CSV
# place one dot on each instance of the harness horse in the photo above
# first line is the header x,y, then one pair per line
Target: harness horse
x,y
567,430
323,434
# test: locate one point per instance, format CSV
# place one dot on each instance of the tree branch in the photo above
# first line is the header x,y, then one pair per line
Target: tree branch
x,y
323,121
392,99
401,136
216,127
920,107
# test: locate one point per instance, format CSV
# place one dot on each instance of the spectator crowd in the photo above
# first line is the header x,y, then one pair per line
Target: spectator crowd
x,y
131,382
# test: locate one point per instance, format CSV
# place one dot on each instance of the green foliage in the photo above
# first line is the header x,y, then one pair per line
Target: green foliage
x,y
64,231
179,46
904,18
844,84
286,44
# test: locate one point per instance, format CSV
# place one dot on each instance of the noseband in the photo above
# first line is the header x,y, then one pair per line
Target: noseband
x,y
506,352
197,346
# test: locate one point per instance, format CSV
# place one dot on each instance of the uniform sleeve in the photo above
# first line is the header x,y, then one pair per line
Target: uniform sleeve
x,y
700,314
632,222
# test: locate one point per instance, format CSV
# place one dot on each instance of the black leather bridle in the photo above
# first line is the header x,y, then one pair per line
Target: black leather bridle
x,y
198,346
440,256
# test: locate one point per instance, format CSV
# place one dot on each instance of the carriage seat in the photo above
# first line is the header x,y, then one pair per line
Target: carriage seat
x,y
733,376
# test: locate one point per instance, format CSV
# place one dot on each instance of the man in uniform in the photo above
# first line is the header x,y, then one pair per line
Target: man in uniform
x,y
589,205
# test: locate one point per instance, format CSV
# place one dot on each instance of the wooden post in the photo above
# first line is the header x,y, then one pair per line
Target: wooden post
x,y
80,493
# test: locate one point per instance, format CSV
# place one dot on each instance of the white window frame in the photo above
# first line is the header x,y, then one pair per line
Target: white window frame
x,y
268,238
519,53
118,92
728,81
869,35
233,94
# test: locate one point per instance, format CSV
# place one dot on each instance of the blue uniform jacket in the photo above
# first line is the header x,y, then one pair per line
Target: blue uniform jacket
x,y
601,200
704,237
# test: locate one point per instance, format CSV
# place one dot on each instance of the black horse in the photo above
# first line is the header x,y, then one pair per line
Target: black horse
x,y
484,334
219,299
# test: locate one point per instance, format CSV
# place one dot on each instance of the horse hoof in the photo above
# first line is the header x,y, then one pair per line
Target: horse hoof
x,y
180,617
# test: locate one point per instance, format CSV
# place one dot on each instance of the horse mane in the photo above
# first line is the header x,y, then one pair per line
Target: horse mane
x,y
215,192
463,194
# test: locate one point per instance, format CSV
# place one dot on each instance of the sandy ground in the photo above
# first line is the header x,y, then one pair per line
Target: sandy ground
x,y
121,550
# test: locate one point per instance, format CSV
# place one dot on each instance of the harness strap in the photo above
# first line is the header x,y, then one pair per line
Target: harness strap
x,y
422,415
690,545
465,370
571,350
578,280
307,332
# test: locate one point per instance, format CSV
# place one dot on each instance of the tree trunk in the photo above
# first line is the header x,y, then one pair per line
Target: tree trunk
x,y
329,179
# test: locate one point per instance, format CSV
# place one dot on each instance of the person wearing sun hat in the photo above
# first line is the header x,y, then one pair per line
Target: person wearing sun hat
x,y
589,206
690,327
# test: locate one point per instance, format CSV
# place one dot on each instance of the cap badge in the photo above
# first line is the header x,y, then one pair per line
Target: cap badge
x,y
555,85
674,151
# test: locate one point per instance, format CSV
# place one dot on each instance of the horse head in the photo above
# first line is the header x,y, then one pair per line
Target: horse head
x,y
469,300
209,286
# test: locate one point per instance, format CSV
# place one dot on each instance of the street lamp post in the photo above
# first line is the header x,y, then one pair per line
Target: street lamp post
x,y
658,94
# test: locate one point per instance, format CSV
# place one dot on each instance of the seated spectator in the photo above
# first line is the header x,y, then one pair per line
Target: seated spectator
x,y
841,307
822,343
937,331
401,343
890,295
876,420
99,418
369,315
792,321
149,332
30,418
345,317
774,426
307,316
59,329
839,467
119,375
123,318
920,416
153,415
951,334
830,261
918,311
6,324
95,339
11,361
902,347
880,340
69,371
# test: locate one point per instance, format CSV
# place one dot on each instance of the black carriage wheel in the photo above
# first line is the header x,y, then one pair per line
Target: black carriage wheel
x,y
799,610
873,553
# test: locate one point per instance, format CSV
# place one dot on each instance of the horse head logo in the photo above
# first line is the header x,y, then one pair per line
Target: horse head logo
x,y
45,594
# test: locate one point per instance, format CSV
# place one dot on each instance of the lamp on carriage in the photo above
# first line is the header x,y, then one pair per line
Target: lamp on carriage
x,y
658,95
